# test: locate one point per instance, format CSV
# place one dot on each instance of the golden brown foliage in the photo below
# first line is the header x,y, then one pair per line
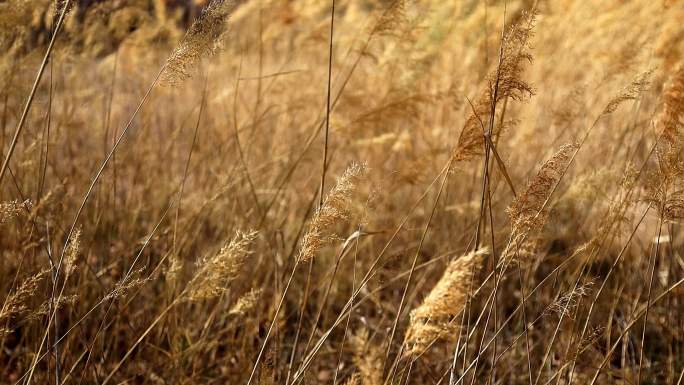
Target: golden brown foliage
x,y
150,290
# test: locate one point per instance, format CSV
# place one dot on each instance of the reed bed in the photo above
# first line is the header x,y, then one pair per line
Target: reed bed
x,y
342,192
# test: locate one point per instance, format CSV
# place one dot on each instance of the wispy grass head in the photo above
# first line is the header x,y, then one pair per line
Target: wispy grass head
x,y
71,253
10,210
368,357
529,210
246,303
630,92
216,272
202,39
335,209
16,303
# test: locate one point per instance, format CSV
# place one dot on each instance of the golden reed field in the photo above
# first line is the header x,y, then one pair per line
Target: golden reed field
x,y
365,192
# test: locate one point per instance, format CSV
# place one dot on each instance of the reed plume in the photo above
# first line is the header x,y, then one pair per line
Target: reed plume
x,y
71,253
436,318
10,210
529,211
245,303
368,358
630,92
130,282
16,303
216,272
49,305
354,379
565,305
202,39
335,209
504,82
665,182
392,18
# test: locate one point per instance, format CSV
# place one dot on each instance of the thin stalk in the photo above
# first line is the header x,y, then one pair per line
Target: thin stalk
x,y
32,94
630,325
82,206
270,328
300,320
327,106
187,162
650,287
413,264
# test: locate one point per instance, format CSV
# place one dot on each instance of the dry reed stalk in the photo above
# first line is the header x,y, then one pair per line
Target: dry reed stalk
x,y
326,133
335,209
27,107
564,306
527,213
626,328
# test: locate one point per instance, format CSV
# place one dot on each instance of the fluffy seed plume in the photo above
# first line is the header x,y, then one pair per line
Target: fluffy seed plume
x,y
392,18
527,212
16,303
505,82
202,39
245,303
631,92
436,318
354,379
71,253
565,305
367,358
10,210
175,267
670,124
335,209
218,271
49,305
665,190
127,284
